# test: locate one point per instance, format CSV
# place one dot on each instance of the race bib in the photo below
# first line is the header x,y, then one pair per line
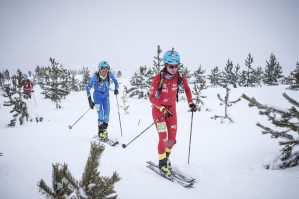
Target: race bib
x,y
161,127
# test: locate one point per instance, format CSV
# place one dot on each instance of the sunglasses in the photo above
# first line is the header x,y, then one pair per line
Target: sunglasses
x,y
172,66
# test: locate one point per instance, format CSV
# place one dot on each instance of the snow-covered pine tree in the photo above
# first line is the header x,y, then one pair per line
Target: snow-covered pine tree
x,y
61,187
158,62
215,77
229,75
56,89
1,79
227,103
293,78
287,123
198,76
273,71
85,79
258,76
249,73
124,105
19,107
74,83
119,74
197,89
140,83
91,186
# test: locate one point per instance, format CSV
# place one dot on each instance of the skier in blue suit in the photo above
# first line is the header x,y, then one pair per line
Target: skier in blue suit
x,y
101,84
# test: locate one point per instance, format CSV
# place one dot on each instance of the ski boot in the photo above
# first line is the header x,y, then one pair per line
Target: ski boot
x,y
164,168
103,135
168,161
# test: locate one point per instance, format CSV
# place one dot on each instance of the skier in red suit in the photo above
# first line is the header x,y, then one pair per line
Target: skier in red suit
x,y
163,96
27,86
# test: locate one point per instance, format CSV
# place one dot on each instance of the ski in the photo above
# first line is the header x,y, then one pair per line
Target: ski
x,y
177,173
111,142
171,178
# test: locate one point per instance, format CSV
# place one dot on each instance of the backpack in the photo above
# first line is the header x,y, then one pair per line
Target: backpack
x,y
180,80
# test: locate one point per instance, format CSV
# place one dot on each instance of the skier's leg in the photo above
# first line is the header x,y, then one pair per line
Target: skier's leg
x,y
106,108
161,129
99,108
172,131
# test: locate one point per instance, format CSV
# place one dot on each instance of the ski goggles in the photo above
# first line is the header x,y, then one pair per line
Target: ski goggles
x,y
105,68
172,66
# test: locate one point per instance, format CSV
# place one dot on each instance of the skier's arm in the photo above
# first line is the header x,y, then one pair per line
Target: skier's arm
x,y
153,90
90,84
187,89
114,80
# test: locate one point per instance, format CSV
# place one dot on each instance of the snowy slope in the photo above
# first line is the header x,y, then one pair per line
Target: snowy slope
x,y
226,158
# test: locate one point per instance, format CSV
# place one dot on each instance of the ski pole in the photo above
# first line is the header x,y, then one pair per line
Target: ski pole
x,y
34,98
125,145
71,126
121,130
190,136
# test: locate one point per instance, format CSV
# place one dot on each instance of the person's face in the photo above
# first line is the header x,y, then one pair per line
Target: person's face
x,y
104,71
172,68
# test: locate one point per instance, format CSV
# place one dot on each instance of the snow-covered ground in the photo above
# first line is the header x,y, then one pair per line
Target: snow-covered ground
x,y
226,159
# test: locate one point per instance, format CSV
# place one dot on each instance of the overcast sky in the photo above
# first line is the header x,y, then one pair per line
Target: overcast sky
x,y
126,32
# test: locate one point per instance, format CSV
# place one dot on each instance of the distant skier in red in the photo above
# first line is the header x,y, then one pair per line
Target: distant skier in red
x,y
27,87
163,96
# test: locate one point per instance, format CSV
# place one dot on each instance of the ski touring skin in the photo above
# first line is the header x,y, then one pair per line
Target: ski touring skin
x,y
111,142
180,179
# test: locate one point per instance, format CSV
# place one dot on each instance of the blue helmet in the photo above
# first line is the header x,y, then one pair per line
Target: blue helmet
x,y
25,77
171,57
103,64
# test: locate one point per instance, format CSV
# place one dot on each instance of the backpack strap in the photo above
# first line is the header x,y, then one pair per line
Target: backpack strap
x,y
157,95
180,81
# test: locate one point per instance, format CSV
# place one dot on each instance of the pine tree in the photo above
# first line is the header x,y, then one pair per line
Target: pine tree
x,y
287,122
199,77
197,89
85,79
293,78
19,107
91,186
158,62
57,88
227,103
74,83
273,71
215,77
229,76
249,73
125,106
140,83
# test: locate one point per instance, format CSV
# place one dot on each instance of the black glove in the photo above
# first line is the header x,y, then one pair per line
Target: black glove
x,y
166,112
192,107
91,103
116,92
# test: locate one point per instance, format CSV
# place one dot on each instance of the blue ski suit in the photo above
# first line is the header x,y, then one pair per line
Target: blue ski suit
x,y
101,95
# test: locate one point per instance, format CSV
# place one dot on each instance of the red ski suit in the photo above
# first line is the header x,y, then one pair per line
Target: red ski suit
x,y
27,87
167,127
